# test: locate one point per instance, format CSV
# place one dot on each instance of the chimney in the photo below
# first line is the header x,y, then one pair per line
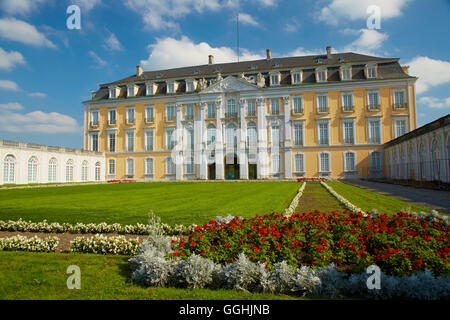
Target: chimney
x,y
139,71
328,52
269,54
93,94
210,59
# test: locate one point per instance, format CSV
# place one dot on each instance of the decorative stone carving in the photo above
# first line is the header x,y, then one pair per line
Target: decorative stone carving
x,y
242,76
202,84
229,84
218,77
260,80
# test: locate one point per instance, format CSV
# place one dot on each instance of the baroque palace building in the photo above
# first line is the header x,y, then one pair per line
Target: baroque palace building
x,y
276,118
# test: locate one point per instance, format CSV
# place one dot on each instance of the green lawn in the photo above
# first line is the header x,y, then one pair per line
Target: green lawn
x,y
29,276
368,200
174,202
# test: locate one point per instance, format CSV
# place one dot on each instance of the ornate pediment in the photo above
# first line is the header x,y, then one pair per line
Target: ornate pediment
x,y
230,84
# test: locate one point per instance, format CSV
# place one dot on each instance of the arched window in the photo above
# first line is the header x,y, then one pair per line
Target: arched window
x,y
252,134
97,171
231,136
210,134
189,165
422,165
84,171
435,158
149,166
299,162
9,169
402,163
410,162
170,166
52,166
349,161
69,170
111,167
32,169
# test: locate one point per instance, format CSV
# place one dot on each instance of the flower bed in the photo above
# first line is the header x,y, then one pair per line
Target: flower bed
x,y
399,244
103,245
350,206
311,179
35,244
290,210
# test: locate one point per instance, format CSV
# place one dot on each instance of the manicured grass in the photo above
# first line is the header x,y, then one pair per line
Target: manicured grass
x,y
29,276
368,200
316,197
175,202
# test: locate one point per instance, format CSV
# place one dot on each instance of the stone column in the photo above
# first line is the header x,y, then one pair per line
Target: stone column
x,y
243,161
203,161
220,174
263,156
178,151
287,138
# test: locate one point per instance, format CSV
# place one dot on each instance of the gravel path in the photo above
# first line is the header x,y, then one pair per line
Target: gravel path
x,y
317,197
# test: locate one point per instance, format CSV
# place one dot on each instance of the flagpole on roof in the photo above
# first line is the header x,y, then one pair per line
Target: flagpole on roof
x,y
237,34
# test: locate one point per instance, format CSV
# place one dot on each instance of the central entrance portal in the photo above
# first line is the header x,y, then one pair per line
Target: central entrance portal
x,y
212,171
252,171
231,168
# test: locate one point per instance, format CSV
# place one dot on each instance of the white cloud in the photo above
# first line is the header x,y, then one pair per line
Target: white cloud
x,y
36,121
340,10
20,7
434,102
9,60
431,72
172,53
11,106
21,31
99,61
112,43
8,85
368,41
86,5
247,19
37,95
300,51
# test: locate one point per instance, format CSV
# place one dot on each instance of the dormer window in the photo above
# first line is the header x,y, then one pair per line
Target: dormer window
x,y
371,71
319,60
253,67
275,79
171,87
190,85
131,90
346,73
113,92
321,75
296,77
150,88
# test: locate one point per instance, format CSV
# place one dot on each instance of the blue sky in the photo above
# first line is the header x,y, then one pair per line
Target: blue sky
x,y
47,70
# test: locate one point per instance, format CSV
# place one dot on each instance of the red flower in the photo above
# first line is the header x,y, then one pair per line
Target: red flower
x,y
193,243
227,244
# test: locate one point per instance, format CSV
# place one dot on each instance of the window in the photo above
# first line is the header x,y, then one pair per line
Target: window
x,y
112,92
376,163
170,166
189,112
350,161
399,99
298,134
324,162
373,99
112,167
170,87
277,137
9,169
111,142
275,106
401,127
130,141
150,89
375,131
251,108
230,110
97,171
276,163
149,140
275,79
321,75
52,165
211,111
170,113
348,131
84,171
346,74
32,169
371,72
189,142
296,78
170,142
211,134
347,102
190,86
252,134
130,116
231,137
322,103
112,116
94,142
69,170
149,114
323,133
435,160
131,91
298,104
149,166
299,162
130,167
189,166
94,118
